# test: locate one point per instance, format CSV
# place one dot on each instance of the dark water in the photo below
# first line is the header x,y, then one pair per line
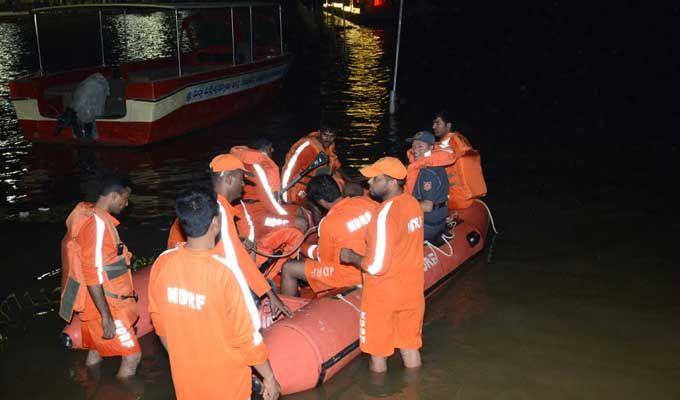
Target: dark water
x,y
573,111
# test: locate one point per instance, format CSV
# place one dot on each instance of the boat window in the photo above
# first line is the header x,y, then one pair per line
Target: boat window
x,y
244,53
63,44
207,35
266,32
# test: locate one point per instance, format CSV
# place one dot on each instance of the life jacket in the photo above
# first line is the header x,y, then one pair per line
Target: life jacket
x,y
466,178
290,169
282,239
264,180
437,158
255,221
73,290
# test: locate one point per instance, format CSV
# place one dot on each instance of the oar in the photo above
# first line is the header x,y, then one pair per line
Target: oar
x,y
321,159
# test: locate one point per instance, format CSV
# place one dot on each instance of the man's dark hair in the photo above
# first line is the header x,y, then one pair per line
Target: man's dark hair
x,y
259,143
445,116
323,187
327,128
195,209
113,183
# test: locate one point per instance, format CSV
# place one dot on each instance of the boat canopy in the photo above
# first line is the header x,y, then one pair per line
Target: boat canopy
x,y
159,6
174,8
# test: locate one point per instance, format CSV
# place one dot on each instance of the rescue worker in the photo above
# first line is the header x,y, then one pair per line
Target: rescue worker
x,y
466,178
431,189
94,257
203,313
227,181
343,226
263,183
301,155
392,302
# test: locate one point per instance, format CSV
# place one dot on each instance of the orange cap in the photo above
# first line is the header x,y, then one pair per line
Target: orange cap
x,y
385,166
226,162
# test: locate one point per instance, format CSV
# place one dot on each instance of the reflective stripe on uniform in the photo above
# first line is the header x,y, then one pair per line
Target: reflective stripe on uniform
x,y
310,251
99,248
289,167
381,241
251,226
231,261
268,189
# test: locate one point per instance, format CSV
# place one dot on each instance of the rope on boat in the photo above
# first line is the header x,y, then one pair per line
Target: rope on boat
x,y
340,297
493,225
436,248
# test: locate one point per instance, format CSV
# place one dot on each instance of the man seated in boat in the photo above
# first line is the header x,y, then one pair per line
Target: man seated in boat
x,y
301,155
227,182
466,179
263,184
203,312
429,185
343,226
392,301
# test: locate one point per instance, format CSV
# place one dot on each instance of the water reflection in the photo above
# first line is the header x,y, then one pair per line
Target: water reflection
x,y
354,88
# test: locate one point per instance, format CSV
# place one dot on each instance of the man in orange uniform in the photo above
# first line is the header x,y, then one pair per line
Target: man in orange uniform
x,y
227,181
203,313
263,184
392,303
301,155
344,226
110,305
466,180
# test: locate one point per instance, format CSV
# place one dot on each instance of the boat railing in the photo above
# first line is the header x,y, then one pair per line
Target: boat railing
x,y
233,11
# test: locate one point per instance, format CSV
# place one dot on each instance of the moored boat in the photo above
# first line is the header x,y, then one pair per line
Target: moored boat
x,y
156,99
323,335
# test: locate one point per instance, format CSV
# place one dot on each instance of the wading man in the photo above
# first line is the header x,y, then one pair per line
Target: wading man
x,y
392,303
203,312
96,278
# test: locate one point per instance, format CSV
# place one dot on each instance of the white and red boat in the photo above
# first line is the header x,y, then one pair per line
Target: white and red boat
x,y
153,100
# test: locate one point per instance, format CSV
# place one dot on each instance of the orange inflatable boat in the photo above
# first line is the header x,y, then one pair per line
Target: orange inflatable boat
x,y
323,335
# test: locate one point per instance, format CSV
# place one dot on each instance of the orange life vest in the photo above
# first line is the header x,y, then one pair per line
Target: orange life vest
x,y
264,181
293,166
73,290
466,178
437,158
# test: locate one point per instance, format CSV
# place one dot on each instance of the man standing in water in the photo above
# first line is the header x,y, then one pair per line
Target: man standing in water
x,y
203,312
392,303
93,256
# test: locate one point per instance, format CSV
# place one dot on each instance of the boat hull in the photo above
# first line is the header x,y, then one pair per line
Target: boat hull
x,y
159,111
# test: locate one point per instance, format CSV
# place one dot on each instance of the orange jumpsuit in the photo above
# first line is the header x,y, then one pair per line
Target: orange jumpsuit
x,y
200,302
265,178
462,189
299,157
344,226
393,302
229,244
99,244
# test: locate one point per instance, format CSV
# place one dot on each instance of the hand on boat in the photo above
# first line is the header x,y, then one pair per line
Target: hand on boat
x,y
278,306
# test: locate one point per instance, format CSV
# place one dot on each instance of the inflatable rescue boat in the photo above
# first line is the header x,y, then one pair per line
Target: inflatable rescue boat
x,y
323,335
